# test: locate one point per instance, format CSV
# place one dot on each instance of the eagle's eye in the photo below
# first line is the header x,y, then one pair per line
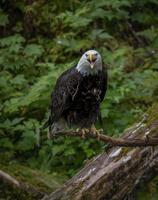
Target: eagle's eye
x,y
96,54
86,55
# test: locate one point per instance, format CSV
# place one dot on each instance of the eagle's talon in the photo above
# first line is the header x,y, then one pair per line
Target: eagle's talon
x,y
83,132
101,130
98,136
96,132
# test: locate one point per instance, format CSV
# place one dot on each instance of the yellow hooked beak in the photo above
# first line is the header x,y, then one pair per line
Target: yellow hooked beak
x,y
91,59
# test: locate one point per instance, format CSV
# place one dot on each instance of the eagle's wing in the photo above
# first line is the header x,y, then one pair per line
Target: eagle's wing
x,y
104,78
64,92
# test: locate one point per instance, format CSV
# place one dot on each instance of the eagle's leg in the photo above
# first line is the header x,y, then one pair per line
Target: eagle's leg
x,y
83,131
96,131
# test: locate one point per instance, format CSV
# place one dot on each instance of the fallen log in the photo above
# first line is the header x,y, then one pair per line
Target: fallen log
x,y
114,174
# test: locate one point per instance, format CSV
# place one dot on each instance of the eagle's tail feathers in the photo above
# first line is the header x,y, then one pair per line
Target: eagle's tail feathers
x,y
54,126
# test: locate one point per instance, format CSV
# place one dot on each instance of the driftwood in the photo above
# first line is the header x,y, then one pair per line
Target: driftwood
x,y
115,174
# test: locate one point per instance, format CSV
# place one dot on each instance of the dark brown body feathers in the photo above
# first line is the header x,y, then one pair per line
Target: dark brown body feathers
x,y
77,98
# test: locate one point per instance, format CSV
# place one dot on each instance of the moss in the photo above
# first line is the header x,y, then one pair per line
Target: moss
x,y
124,151
10,193
41,181
152,114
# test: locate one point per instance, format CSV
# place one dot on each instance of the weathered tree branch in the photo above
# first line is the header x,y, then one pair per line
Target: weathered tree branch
x,y
129,142
115,174
122,142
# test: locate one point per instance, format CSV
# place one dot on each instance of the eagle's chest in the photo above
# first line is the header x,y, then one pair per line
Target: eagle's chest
x,y
89,92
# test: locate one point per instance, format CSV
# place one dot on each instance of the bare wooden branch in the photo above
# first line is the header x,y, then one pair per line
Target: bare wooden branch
x,y
9,179
128,142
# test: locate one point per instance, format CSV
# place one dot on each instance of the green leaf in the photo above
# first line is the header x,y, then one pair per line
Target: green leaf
x,y
6,143
33,50
11,40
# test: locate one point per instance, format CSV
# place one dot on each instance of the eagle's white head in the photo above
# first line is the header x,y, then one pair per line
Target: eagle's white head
x,y
90,63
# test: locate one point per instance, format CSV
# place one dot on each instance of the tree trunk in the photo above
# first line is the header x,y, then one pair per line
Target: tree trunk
x,y
114,174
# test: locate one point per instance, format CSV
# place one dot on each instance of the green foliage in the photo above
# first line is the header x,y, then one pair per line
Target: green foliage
x,y
40,40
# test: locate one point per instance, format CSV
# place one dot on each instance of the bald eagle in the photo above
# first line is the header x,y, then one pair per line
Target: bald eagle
x,y
77,95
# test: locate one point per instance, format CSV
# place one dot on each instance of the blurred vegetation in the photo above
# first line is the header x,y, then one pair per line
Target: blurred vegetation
x,y
39,40
35,179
